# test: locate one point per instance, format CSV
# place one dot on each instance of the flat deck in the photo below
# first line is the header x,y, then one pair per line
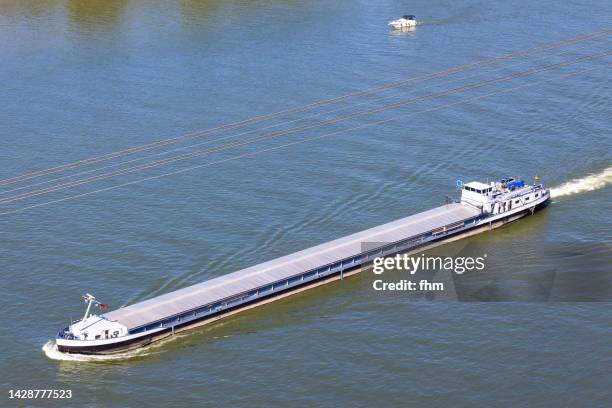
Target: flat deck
x,y
266,273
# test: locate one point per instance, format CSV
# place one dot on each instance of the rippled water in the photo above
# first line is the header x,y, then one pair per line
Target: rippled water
x,y
85,78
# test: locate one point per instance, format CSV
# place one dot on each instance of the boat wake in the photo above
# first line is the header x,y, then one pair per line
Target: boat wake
x,y
580,185
51,351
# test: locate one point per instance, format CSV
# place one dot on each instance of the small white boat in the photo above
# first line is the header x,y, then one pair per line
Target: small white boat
x,y
407,21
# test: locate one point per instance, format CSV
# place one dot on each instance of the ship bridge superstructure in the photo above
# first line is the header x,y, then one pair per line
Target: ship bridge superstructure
x,y
502,196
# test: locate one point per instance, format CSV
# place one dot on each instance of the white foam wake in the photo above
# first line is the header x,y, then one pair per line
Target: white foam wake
x,y
580,185
51,351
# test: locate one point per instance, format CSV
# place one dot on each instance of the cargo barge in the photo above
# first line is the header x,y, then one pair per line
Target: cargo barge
x,y
482,207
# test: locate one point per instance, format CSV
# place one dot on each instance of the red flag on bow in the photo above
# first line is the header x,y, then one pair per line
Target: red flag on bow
x,y
103,305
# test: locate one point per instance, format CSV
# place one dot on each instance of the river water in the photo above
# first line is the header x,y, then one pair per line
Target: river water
x,y
86,78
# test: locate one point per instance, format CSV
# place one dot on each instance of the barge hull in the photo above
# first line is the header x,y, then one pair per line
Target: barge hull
x,y
146,339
